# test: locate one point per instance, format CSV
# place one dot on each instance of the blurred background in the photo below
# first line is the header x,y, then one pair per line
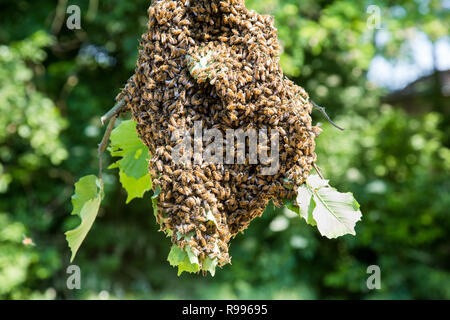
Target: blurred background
x,y
381,69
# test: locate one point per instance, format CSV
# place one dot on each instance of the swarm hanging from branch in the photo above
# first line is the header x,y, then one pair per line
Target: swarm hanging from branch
x,y
216,62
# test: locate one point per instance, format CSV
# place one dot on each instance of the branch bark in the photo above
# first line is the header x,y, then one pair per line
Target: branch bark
x,y
318,171
113,112
103,144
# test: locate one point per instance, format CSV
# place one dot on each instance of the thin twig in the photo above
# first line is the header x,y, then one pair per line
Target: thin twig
x,y
59,16
318,171
322,110
92,10
103,144
113,112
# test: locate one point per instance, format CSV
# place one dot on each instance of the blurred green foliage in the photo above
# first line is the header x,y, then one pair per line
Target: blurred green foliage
x,y
55,83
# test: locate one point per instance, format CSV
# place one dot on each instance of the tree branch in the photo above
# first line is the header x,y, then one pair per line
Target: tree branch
x,y
113,112
58,20
103,144
322,110
318,171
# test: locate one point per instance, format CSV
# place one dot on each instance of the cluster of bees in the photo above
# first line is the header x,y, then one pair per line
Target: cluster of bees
x,y
216,62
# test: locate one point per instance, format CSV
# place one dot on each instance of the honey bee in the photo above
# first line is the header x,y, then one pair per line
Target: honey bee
x,y
200,218
190,202
159,166
179,199
187,191
167,156
257,92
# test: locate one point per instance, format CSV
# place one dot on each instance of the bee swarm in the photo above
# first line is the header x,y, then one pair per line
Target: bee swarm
x,y
240,86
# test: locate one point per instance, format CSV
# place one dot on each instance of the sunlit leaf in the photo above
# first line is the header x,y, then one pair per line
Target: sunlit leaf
x,y
86,189
210,265
187,266
210,218
334,213
187,261
180,258
133,167
155,200
176,256
86,203
135,188
125,143
306,205
192,258
290,205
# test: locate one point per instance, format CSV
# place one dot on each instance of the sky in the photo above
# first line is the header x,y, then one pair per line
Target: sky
x,y
397,76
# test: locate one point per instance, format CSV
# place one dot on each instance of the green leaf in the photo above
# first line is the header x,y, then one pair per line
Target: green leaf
x,y
155,200
187,261
86,203
192,257
85,189
306,212
306,204
210,218
187,266
316,182
198,65
287,183
290,205
334,213
180,258
125,143
135,187
210,265
133,167
176,256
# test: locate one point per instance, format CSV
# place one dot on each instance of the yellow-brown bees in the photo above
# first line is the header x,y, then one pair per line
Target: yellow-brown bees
x,y
216,62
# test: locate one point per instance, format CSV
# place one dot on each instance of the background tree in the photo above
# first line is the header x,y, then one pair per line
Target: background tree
x,y
55,83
